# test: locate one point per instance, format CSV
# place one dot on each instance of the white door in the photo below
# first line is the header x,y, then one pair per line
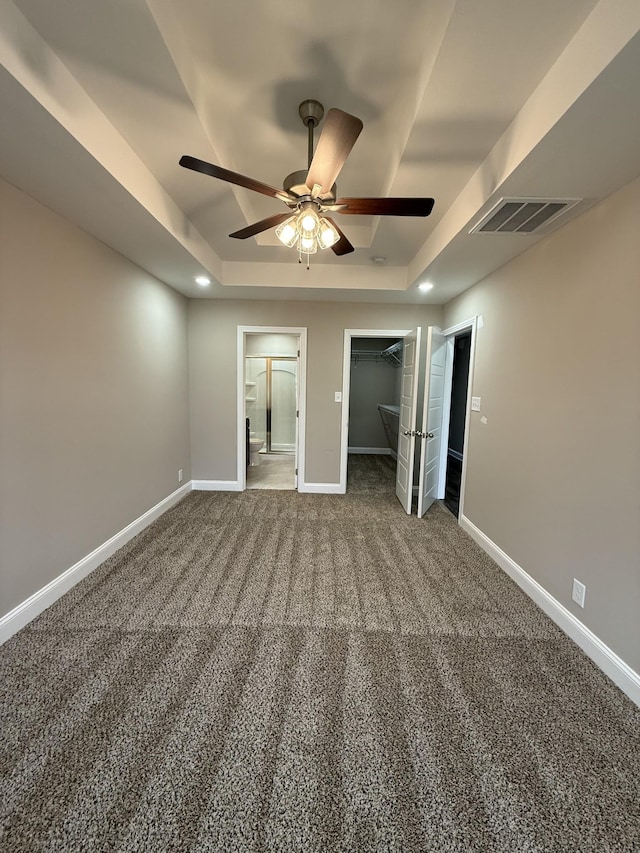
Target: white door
x,y
431,432
408,411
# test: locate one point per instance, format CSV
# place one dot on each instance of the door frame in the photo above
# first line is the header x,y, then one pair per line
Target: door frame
x,y
434,367
346,389
241,453
472,323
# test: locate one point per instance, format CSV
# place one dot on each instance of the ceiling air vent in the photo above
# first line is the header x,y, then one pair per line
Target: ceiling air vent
x,y
523,215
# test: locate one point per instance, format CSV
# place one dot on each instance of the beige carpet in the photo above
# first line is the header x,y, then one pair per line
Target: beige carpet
x,y
272,671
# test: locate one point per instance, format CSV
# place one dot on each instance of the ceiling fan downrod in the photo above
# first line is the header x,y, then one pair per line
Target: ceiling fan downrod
x,y
311,113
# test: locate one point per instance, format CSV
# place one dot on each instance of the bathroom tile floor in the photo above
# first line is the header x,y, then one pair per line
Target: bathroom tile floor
x,y
275,471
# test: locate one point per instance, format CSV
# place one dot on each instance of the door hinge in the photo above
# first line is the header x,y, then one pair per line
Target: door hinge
x,y
298,353
297,413
296,472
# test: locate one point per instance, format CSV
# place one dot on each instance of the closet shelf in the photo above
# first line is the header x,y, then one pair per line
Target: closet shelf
x,y
391,355
390,417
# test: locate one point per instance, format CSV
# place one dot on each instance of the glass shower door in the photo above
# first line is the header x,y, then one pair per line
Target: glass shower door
x,y
283,382
271,402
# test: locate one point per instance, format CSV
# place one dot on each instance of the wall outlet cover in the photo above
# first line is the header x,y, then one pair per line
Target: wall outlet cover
x,y
578,592
475,404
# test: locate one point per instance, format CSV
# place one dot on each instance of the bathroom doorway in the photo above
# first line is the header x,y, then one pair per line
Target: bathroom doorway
x,y
271,366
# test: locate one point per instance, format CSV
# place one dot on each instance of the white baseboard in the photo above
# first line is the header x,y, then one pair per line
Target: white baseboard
x,y
605,658
372,451
25,612
216,486
321,488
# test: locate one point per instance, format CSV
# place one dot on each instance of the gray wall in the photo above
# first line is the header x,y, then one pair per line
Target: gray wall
x,y
93,394
213,345
554,476
372,382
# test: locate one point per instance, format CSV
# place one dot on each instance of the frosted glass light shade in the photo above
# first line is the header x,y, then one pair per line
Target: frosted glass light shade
x,y
308,223
327,235
287,232
308,245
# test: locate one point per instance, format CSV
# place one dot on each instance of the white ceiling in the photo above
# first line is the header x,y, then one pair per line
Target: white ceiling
x,y
463,101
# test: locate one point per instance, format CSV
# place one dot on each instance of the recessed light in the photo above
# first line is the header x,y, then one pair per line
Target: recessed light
x,y
203,280
426,285
379,260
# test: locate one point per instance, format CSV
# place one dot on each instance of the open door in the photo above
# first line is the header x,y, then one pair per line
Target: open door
x,y
408,412
431,433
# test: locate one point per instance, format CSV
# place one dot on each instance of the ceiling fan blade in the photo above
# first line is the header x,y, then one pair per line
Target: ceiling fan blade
x,y
343,246
263,225
386,206
234,178
339,133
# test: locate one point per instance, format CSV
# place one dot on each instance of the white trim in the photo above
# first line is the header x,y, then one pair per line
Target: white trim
x,y
295,331
605,658
346,388
241,441
322,488
371,451
25,612
460,327
216,486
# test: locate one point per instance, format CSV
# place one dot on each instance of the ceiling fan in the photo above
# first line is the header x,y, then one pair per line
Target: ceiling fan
x,y
312,193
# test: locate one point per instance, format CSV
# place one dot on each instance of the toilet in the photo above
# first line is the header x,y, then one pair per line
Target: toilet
x,y
255,446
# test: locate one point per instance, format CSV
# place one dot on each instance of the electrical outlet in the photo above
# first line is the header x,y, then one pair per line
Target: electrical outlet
x,y
475,404
179,475
578,593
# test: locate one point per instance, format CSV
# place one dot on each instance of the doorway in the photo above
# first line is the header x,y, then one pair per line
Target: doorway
x,y
271,407
431,382
369,409
460,354
457,420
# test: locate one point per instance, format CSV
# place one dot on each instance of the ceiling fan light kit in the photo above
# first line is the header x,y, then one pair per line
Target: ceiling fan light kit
x,y
313,195
307,231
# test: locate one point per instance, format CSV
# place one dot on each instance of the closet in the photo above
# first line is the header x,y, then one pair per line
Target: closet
x,y
374,397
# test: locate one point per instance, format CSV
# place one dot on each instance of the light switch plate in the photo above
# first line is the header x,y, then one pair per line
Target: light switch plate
x,y
338,396
475,404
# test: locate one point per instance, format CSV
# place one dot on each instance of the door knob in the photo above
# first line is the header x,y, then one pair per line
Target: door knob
x,y
407,432
428,435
